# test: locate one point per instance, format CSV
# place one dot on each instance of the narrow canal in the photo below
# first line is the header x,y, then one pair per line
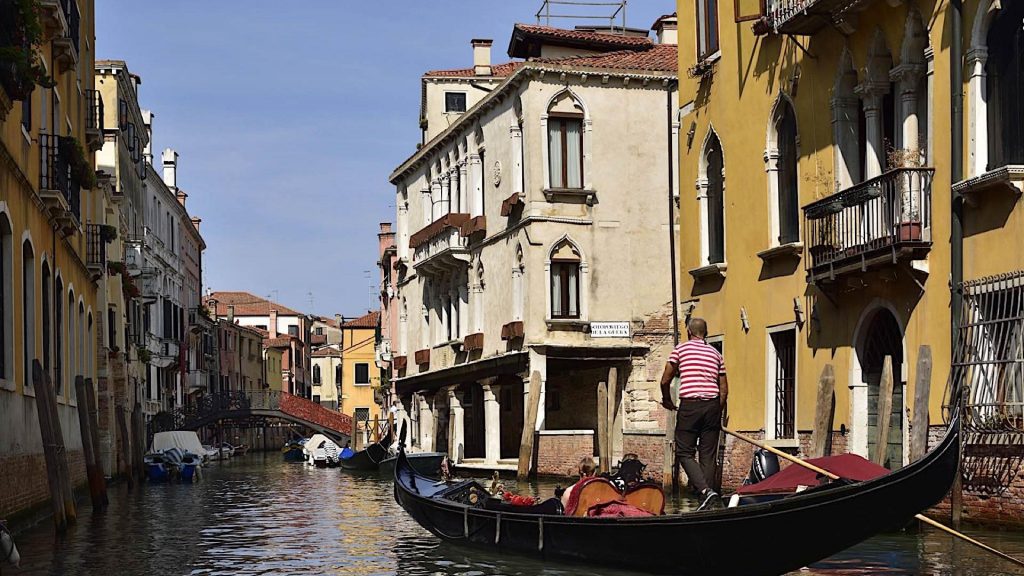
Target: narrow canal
x,y
259,515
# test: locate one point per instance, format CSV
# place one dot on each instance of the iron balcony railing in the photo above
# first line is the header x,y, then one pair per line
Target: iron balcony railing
x,y
875,219
74,20
96,248
55,165
803,16
93,110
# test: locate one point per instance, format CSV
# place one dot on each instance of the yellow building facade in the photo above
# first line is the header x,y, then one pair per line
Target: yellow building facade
x,y
815,207
359,374
49,241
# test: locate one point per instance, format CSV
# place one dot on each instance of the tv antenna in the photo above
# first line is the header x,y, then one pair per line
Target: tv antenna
x,y
578,10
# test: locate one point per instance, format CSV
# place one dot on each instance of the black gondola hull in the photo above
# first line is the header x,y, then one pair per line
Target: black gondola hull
x,y
771,538
368,459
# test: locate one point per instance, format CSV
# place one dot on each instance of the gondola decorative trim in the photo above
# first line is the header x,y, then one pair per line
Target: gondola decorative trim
x,y
540,534
497,529
465,522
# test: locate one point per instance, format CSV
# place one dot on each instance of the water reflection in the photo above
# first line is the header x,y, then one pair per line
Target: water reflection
x,y
258,515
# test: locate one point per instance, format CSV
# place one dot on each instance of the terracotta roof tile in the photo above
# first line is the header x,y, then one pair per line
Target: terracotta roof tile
x,y
365,321
326,352
497,71
281,342
660,58
602,38
247,304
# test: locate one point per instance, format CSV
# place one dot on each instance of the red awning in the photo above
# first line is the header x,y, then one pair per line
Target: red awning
x,y
848,466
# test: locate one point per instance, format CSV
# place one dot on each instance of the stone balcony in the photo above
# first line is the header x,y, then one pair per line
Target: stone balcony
x,y
874,224
440,246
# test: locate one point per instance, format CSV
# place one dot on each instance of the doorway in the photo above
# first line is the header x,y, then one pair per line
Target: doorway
x,y
883,337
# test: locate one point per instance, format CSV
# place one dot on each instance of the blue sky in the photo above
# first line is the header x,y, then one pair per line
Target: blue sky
x,y
289,116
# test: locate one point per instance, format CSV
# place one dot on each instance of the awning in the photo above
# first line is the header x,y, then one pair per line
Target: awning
x,y
510,363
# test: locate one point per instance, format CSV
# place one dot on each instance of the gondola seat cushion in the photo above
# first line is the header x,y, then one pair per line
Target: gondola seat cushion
x,y
617,509
590,492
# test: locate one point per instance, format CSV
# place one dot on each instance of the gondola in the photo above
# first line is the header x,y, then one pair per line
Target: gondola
x,y
369,458
424,463
769,538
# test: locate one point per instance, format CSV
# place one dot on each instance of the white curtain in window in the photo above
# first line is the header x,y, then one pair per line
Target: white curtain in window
x,y
573,153
555,152
573,296
556,292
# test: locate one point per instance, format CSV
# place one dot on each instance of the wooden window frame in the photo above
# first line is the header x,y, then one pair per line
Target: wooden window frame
x,y
560,269
738,16
562,119
702,27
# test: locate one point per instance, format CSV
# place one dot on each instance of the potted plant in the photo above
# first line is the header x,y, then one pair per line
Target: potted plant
x,y
909,190
81,169
21,68
144,354
108,233
114,268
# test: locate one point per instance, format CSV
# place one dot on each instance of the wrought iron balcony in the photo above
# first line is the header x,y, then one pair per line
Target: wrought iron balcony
x,y
60,193
96,249
876,223
804,17
93,120
66,45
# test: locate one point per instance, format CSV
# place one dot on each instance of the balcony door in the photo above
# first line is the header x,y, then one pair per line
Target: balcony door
x,y
883,337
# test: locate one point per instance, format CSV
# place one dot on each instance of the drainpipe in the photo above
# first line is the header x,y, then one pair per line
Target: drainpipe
x,y
956,221
671,211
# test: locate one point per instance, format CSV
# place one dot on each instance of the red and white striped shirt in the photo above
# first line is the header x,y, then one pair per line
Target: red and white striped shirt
x,y
699,366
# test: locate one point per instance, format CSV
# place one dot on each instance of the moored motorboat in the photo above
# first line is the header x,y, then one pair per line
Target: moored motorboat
x,y
292,450
819,522
320,451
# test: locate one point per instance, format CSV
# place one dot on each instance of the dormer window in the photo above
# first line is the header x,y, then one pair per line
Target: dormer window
x,y
455,102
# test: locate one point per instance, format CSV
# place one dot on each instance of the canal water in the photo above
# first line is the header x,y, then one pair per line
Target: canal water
x,y
258,515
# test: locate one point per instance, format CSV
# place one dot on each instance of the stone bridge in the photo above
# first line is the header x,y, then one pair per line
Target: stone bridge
x,y
259,403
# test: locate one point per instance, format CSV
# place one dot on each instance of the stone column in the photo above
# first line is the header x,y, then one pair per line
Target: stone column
x,y
909,77
476,204
874,152
844,121
977,119
435,198
428,206
538,362
426,423
516,132
446,195
463,182
456,426
492,421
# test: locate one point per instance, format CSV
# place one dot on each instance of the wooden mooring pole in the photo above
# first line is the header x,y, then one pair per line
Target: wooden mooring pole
x,y
824,413
613,410
884,412
670,477
601,435
125,445
49,448
922,392
92,474
529,426
63,469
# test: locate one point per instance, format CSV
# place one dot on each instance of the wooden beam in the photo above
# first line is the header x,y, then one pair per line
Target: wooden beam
x,y
63,469
922,391
94,427
613,410
884,412
824,412
601,435
529,426
49,448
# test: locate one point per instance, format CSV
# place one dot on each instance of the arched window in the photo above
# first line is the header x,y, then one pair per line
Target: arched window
x,y
90,340
565,281
28,310
6,299
47,318
58,336
1005,83
72,346
782,175
565,121
82,345
848,125
712,196
316,374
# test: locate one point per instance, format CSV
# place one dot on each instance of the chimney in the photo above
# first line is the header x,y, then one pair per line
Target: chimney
x,y
181,196
482,56
231,313
385,227
667,29
195,222
147,122
272,324
170,159
338,319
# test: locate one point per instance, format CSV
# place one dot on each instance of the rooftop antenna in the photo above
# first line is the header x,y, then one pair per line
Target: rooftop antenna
x,y
369,290
310,294
273,293
579,10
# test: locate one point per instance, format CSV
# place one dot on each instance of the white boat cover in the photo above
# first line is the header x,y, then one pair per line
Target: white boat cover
x,y
186,440
320,441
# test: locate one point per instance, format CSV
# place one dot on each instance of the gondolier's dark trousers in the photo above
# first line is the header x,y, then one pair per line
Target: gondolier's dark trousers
x,y
698,426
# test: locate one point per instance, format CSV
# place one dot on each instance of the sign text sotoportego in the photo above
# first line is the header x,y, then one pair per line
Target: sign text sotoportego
x,y
609,330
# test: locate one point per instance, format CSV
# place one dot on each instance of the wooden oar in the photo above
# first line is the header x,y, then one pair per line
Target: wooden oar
x,y
832,476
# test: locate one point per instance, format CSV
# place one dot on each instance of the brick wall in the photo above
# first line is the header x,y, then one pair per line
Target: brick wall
x,y
739,455
1002,505
650,448
23,483
559,455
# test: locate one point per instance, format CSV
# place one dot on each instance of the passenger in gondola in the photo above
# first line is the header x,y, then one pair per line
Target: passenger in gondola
x,y
703,391
586,469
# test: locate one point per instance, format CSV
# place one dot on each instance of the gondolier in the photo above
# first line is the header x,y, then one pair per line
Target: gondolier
x,y
703,391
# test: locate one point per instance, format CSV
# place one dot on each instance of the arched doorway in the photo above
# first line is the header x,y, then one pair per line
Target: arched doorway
x,y
883,337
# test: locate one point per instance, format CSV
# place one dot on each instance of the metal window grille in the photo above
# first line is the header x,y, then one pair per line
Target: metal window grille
x,y
785,383
362,414
988,361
